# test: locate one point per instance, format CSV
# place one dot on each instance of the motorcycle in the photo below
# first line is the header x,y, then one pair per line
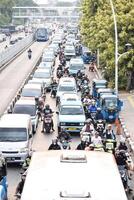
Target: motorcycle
x,y
47,123
100,127
99,147
54,91
124,176
65,144
110,145
59,73
86,136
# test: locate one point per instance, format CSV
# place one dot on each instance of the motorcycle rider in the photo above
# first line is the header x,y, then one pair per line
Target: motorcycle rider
x,y
29,53
90,148
99,114
96,139
79,74
20,185
93,107
54,145
53,85
83,144
88,127
122,145
109,133
64,135
46,111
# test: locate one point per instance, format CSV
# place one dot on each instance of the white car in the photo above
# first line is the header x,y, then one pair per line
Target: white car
x,y
45,75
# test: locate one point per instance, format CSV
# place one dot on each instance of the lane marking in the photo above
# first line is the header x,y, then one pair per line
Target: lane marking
x,y
131,100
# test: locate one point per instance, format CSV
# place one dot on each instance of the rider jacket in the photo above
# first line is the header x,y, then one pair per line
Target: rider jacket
x,y
47,111
54,147
92,108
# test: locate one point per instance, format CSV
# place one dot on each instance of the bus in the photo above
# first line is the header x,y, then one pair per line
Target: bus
x,y
73,174
41,34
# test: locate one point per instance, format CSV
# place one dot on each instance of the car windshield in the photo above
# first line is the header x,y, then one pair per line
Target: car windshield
x,y
111,102
69,51
66,88
48,59
25,109
76,66
71,110
31,93
13,134
41,75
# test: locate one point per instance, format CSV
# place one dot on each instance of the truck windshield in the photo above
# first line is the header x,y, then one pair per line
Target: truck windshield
x,y
76,67
13,134
111,103
25,109
31,93
66,88
71,110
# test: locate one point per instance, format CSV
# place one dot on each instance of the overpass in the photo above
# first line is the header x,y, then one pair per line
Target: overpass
x,y
46,12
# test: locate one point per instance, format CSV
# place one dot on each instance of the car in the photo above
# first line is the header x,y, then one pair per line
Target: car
x,y
2,37
27,106
66,85
13,40
69,52
45,75
55,48
32,90
48,58
70,97
46,65
76,64
71,116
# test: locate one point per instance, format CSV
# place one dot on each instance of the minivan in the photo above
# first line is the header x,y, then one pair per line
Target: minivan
x,y
15,137
26,105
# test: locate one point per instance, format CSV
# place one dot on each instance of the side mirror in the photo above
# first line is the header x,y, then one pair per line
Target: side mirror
x,y
57,113
30,136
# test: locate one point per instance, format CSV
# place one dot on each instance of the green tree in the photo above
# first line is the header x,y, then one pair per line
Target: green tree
x,y
97,29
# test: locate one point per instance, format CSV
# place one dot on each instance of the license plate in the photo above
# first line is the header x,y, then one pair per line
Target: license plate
x,y
109,146
10,159
110,116
71,129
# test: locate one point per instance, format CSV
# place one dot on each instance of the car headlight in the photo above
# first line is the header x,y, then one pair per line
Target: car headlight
x,y
82,124
62,123
23,150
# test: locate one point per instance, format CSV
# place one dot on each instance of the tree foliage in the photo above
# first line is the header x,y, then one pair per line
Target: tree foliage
x,y
97,29
6,9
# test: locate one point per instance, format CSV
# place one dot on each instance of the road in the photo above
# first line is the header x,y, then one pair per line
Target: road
x,y
7,42
20,68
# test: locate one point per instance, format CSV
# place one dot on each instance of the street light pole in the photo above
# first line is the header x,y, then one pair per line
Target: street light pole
x,y
116,47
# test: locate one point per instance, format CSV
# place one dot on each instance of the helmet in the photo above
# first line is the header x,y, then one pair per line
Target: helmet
x,y
109,125
47,106
122,140
88,121
98,109
54,141
93,102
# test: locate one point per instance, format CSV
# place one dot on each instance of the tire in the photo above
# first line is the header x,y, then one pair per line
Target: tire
x,y
47,129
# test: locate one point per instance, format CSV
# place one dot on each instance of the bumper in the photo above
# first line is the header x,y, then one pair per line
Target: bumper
x,y
15,158
72,129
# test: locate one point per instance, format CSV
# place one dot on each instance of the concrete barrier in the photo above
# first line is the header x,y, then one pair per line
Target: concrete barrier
x,y
9,54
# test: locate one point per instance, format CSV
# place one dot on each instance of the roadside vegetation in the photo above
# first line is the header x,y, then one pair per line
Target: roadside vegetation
x,y
97,29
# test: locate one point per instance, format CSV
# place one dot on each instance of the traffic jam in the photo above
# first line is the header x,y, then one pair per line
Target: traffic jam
x,y
83,107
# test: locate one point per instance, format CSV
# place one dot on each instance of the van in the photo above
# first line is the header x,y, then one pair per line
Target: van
x,y
71,115
15,137
66,85
28,106
69,52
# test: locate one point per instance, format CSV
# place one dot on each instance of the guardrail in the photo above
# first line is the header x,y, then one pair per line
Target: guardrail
x,y
9,54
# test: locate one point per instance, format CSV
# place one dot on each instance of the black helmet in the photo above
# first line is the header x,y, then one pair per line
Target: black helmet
x,y
47,106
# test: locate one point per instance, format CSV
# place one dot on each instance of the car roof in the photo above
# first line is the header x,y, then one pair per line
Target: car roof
x,y
71,103
76,61
42,70
108,96
69,97
32,86
26,101
14,120
99,81
67,80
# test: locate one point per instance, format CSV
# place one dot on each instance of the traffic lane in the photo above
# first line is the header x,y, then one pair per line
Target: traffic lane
x,y
12,77
7,42
127,113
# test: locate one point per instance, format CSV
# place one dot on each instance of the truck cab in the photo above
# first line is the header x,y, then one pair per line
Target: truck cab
x,y
110,105
97,84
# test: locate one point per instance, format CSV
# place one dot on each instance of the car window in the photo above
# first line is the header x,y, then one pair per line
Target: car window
x,y
25,109
67,88
71,110
31,93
